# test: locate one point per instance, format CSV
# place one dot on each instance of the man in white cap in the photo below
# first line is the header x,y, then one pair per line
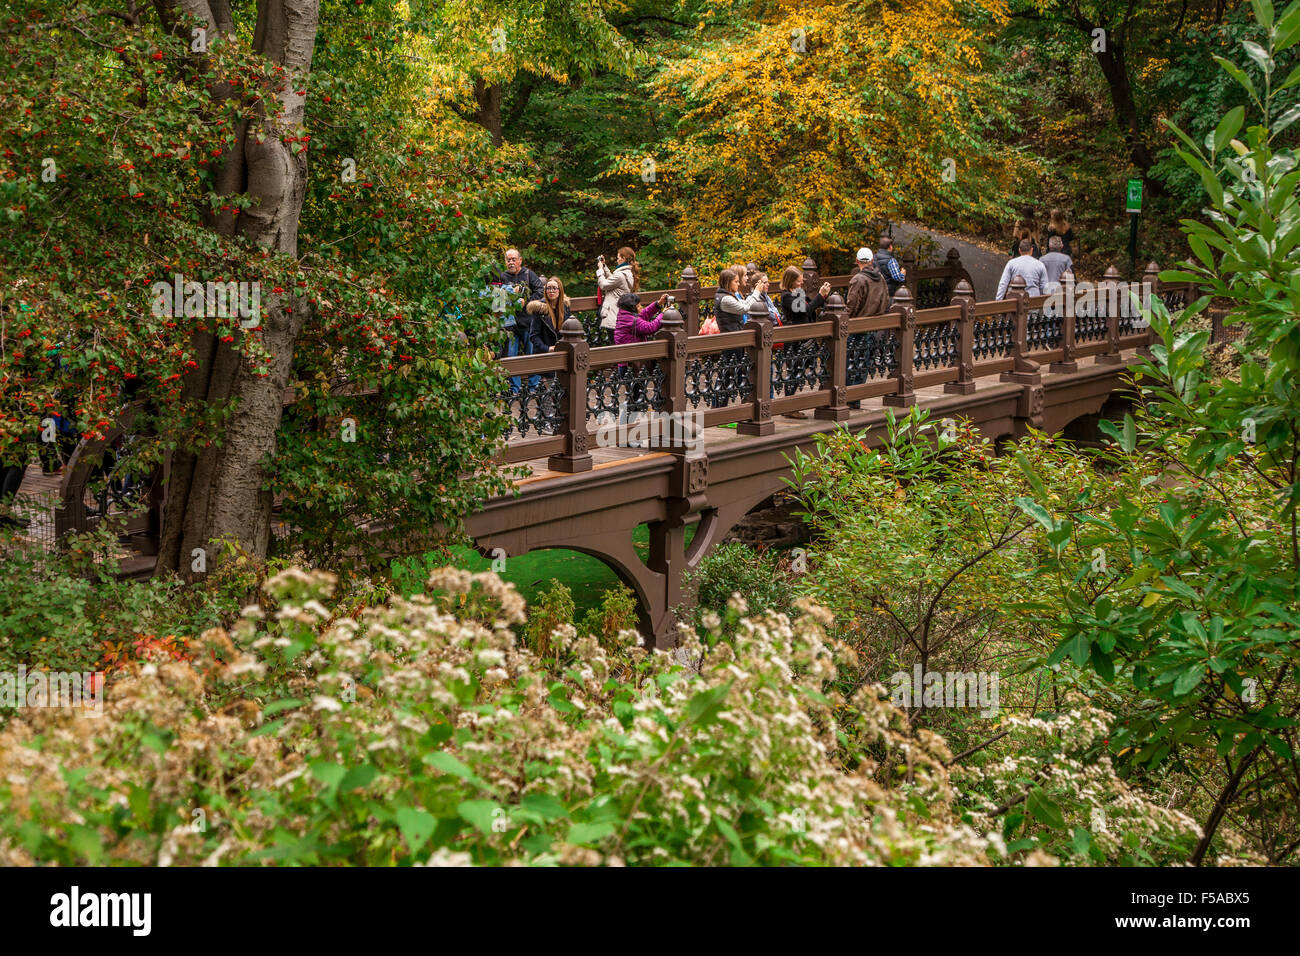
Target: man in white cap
x,y
868,291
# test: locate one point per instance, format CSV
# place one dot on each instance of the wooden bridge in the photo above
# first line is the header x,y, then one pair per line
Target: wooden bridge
x,y
1004,365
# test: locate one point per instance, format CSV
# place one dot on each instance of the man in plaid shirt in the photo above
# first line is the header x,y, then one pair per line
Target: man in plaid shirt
x,y
894,273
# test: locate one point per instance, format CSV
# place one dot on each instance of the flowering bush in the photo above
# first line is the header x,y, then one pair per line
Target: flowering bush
x,y
421,732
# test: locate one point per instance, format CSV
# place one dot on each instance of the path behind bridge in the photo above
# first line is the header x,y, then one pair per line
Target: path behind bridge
x,y
983,264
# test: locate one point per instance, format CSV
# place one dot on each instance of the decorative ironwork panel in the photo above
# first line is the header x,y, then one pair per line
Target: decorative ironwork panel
x,y
1043,330
716,381
937,346
797,366
616,390
1090,328
872,355
535,409
994,336
932,293
596,336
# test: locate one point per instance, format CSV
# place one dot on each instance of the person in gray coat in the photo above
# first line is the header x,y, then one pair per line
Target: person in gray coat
x,y
1028,268
1056,262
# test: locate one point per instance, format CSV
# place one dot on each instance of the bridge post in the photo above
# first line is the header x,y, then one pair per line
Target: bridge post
x,y
1151,279
911,283
811,280
904,397
1025,371
573,344
963,297
1108,292
1068,362
953,261
690,297
760,420
838,409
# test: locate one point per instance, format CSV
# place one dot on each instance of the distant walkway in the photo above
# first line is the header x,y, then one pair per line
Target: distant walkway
x,y
984,266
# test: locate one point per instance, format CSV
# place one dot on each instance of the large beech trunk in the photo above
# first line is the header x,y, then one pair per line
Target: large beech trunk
x,y
217,493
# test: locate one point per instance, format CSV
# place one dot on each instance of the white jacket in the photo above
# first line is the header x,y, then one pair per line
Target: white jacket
x,y
613,284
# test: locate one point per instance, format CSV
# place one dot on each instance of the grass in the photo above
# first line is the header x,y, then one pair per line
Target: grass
x,y
587,577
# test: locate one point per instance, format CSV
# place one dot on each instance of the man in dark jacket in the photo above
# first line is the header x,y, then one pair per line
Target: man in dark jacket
x,y
868,291
513,288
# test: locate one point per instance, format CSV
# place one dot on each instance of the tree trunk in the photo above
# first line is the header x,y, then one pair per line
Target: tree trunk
x,y
217,492
1114,67
488,114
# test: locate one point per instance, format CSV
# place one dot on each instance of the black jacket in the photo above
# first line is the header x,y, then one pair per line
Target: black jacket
x,y
528,286
792,316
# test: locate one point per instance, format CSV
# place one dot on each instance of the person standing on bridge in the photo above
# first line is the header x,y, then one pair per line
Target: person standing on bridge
x,y
730,309
895,275
868,290
1056,263
637,326
796,308
625,278
549,315
517,285
1028,268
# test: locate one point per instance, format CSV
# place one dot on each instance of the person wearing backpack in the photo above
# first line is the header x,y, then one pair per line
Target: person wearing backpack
x,y
610,286
888,265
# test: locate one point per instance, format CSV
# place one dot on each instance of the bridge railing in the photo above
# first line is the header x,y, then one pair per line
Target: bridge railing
x,y
578,395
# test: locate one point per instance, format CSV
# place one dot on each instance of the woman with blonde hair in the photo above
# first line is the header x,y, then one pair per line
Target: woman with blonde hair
x,y
625,278
1058,225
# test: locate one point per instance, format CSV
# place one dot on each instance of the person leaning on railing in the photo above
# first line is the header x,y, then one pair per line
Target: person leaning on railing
x,y
1028,268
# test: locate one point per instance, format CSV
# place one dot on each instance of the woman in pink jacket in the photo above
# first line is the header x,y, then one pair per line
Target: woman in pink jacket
x,y
633,326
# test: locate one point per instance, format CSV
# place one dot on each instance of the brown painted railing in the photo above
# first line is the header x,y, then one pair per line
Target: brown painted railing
x,y
836,361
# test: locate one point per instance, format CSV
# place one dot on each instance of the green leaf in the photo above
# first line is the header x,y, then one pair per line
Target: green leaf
x,y
1037,512
1188,679
1082,841
328,773
416,826
1228,127
480,813
705,706
448,763
1044,810
359,776
581,833
544,805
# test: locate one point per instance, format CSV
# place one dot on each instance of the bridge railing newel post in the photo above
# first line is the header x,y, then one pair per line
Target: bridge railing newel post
x,y
573,344
760,421
811,280
1108,293
1151,284
1023,370
689,287
964,298
1068,363
911,277
953,262
904,397
838,410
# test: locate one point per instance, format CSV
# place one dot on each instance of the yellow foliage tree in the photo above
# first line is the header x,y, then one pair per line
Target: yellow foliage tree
x,y
803,122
